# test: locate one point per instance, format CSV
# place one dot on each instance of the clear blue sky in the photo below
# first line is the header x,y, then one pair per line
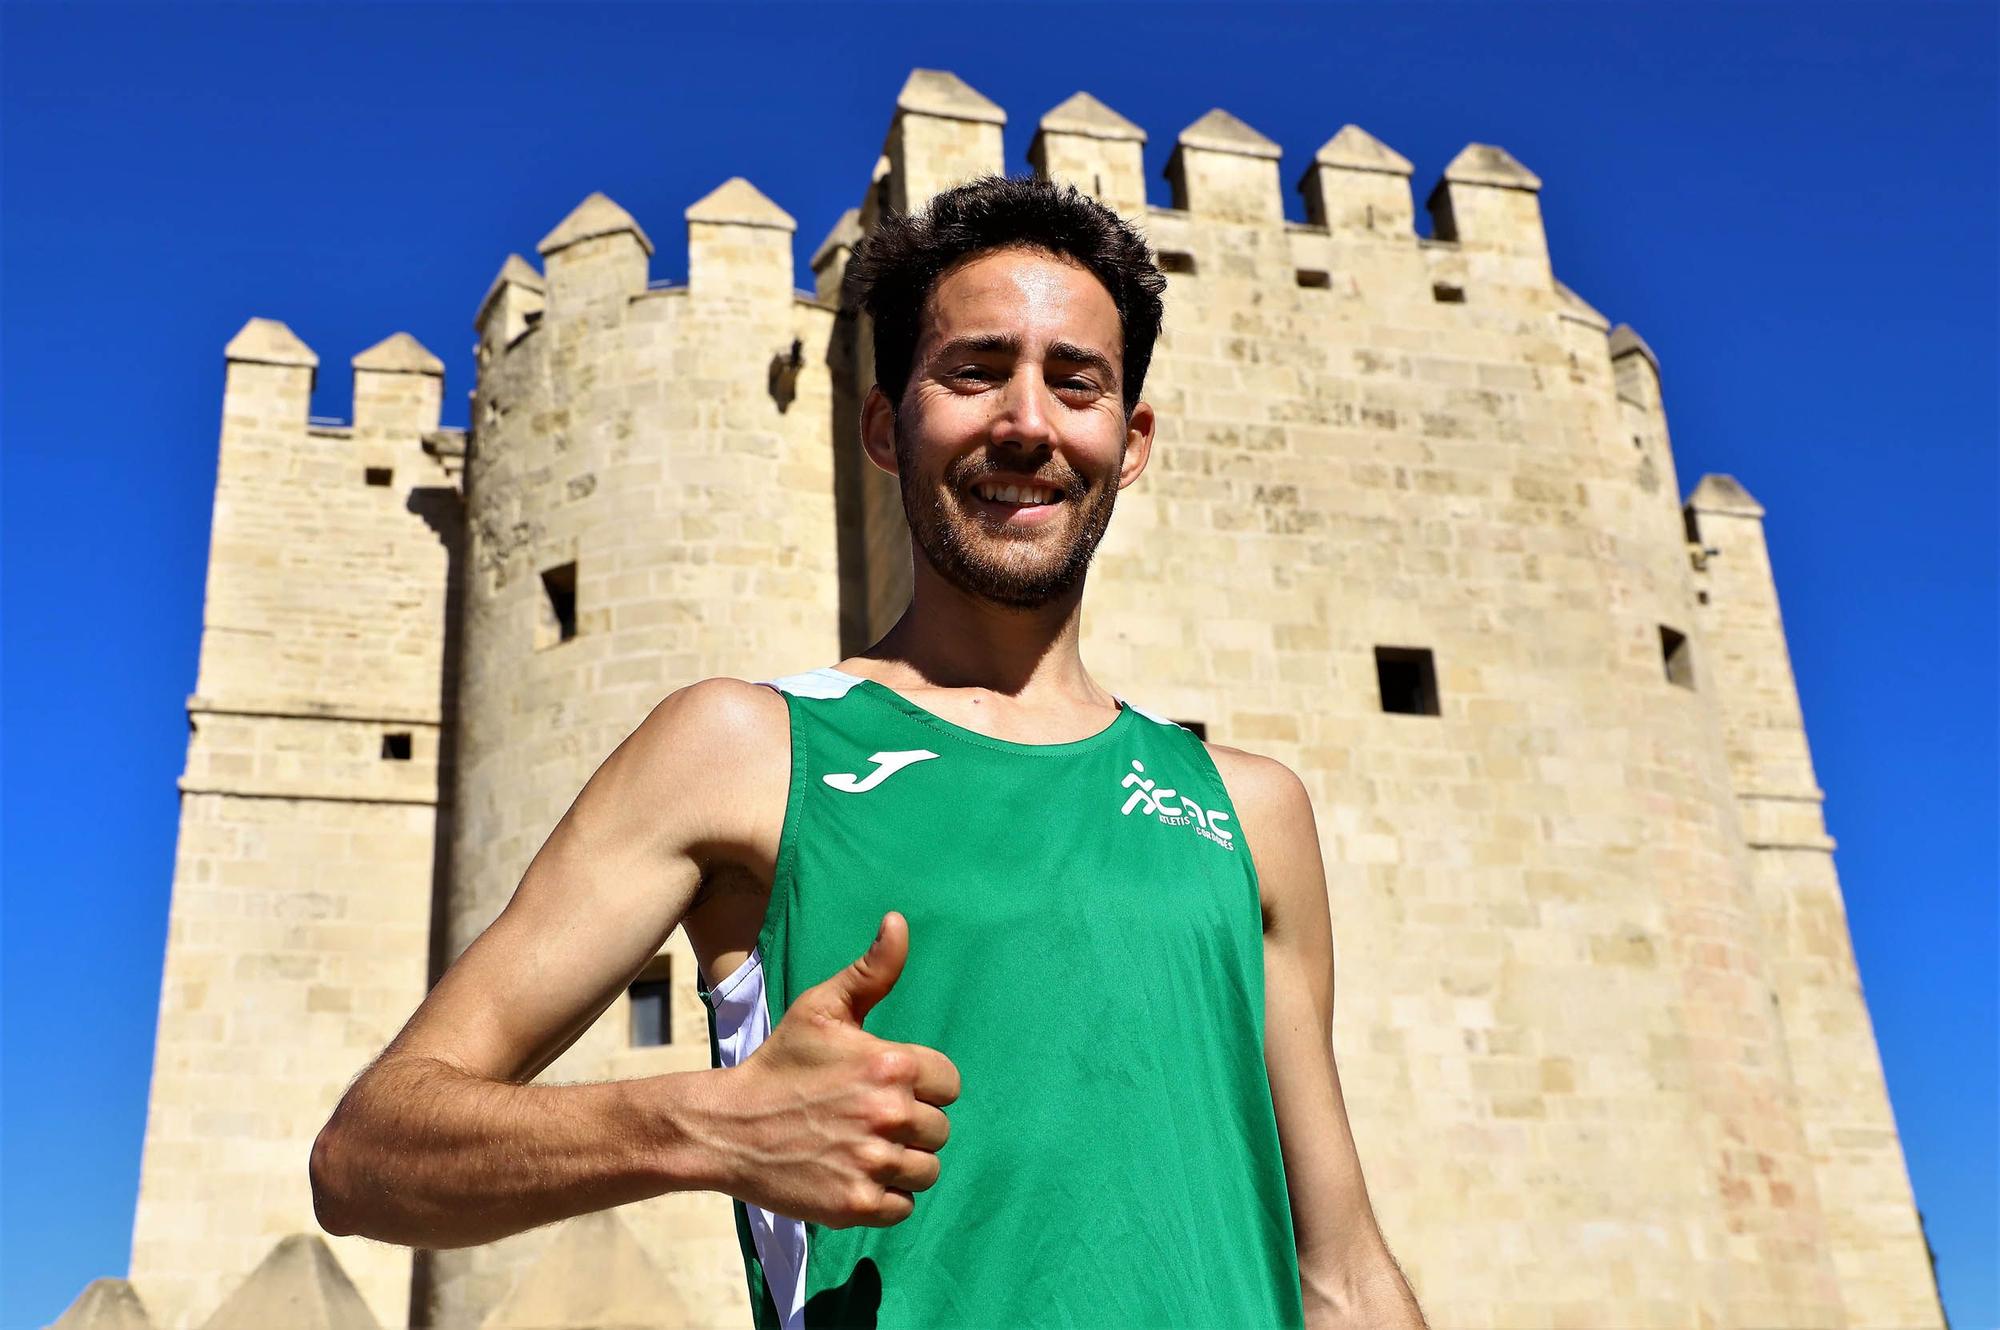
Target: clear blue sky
x,y
1795,205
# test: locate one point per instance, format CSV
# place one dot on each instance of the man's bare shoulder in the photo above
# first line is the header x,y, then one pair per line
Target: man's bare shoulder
x,y
1276,816
719,709
718,747
1261,787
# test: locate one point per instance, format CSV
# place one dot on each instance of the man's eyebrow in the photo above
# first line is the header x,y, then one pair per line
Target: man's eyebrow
x,y
1008,344
1079,355
979,344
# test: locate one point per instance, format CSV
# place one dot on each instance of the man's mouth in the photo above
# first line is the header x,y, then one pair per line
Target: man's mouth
x,y
1026,494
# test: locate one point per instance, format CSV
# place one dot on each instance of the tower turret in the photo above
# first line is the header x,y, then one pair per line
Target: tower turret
x,y
1875,1242
398,389
1223,169
517,298
739,245
1357,183
944,133
595,258
1636,367
650,503
1489,204
299,929
829,261
259,358
1096,149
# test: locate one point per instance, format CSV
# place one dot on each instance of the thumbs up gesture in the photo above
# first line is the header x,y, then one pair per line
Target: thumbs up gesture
x,y
835,1126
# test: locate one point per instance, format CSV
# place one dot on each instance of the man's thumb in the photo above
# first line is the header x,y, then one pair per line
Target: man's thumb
x,y
870,977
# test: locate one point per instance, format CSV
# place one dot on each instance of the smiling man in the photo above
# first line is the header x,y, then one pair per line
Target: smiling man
x,y
1092,953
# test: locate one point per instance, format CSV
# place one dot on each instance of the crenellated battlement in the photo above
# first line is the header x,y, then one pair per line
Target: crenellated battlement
x,y
597,260
1487,247
271,374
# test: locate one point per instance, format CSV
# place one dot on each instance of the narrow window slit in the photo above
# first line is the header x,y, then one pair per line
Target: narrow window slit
x,y
1407,679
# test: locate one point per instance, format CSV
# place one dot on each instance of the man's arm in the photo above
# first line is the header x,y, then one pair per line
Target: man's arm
x,y
441,1142
1347,1275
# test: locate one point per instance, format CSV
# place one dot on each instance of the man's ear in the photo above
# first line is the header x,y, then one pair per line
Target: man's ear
x,y
878,429
1138,444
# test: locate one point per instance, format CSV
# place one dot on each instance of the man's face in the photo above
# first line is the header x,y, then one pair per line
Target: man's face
x,y
1011,442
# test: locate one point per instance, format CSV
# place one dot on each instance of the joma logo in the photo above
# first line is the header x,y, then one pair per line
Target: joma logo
x,y
1172,807
886,765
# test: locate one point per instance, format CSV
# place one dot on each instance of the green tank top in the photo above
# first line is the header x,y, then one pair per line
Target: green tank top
x,y
1086,946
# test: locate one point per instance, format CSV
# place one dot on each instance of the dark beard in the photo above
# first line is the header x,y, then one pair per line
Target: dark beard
x,y
945,535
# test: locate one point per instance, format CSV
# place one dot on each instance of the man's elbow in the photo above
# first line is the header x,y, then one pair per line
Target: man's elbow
x,y
330,1204
1362,1288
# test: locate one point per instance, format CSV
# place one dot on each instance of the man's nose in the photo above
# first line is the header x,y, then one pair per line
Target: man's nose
x,y
1025,420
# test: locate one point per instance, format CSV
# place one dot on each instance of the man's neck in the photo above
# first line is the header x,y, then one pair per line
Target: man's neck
x,y
951,639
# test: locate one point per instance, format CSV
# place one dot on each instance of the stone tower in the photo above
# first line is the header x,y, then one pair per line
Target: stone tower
x,y
1412,526
298,936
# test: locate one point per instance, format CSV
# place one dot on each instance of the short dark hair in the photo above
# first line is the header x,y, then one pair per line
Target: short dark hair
x,y
895,267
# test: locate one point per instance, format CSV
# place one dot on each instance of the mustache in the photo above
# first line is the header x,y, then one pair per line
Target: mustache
x,y
969,471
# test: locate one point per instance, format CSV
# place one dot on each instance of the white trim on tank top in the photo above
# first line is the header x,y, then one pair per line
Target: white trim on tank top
x,y
742,1023
828,683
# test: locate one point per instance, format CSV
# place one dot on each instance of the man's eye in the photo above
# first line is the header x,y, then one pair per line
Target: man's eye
x,y
973,372
1077,386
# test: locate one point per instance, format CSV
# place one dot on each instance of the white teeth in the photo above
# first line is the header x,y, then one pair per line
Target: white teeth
x,y
1022,494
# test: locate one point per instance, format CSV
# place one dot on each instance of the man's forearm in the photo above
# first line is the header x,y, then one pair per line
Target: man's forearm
x,y
424,1155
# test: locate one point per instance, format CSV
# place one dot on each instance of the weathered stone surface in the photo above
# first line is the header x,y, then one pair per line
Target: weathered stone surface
x,y
1219,131
1576,307
939,92
299,1286
269,342
594,1273
105,1304
1083,114
843,235
737,202
1100,152
1724,494
399,353
1625,342
518,271
595,216
1355,149
1485,164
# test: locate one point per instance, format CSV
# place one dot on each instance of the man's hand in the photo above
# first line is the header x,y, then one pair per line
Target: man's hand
x,y
829,1123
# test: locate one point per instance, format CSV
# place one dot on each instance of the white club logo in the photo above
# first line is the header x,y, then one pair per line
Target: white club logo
x,y
1172,807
